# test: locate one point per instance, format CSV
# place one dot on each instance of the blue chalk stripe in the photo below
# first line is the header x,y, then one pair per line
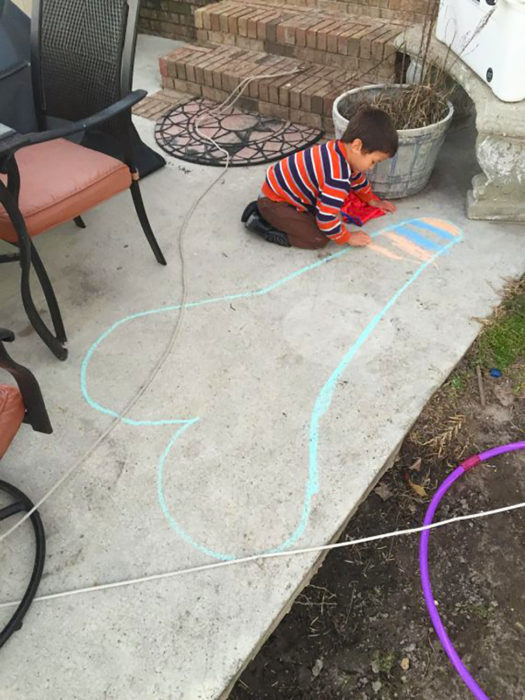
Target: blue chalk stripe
x,y
429,227
417,238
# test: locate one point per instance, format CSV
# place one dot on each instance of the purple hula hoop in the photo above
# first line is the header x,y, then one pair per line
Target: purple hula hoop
x,y
423,561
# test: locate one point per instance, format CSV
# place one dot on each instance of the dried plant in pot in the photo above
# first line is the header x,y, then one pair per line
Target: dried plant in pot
x,y
420,136
421,112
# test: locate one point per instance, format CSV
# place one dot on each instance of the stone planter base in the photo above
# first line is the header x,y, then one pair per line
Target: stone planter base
x,y
498,192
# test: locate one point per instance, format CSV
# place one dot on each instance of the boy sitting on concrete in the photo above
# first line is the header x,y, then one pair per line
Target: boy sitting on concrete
x,y
301,199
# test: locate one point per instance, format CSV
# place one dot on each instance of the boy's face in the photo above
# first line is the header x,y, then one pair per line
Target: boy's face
x,y
359,159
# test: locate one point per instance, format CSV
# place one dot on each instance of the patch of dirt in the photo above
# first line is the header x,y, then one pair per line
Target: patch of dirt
x,y
360,630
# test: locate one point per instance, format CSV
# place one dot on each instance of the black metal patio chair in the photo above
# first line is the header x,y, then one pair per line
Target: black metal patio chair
x,y
82,55
21,404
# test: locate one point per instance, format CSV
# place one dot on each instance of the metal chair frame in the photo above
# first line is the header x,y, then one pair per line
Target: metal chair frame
x,y
35,415
111,121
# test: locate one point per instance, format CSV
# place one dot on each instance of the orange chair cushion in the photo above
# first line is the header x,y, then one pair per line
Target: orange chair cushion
x,y
60,180
12,413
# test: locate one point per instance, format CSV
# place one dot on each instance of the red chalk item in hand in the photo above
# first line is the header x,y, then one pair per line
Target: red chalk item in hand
x,y
355,211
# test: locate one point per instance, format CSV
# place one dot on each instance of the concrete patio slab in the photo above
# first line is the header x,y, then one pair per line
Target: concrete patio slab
x,y
304,369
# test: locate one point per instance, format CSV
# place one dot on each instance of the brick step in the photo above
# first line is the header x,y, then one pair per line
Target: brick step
x,y
214,71
360,44
404,11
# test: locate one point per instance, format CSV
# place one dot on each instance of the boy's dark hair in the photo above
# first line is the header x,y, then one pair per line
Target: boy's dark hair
x,y
375,129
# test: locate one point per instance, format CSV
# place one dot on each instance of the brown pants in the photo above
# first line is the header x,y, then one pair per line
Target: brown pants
x,y
299,226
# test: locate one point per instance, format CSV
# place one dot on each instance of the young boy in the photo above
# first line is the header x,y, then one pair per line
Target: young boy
x,y
301,199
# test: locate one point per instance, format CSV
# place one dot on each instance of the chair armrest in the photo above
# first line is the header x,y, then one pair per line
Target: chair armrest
x,y
36,413
17,141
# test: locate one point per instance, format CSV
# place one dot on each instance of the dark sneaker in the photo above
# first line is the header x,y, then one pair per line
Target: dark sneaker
x,y
256,224
250,209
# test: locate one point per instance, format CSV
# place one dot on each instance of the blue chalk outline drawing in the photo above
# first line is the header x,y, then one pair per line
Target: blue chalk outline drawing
x,y
324,397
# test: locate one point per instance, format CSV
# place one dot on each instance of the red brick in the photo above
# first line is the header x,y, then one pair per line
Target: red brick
x,y
278,65
172,68
222,66
206,20
302,27
342,41
375,39
181,71
354,40
329,99
223,22
364,44
306,118
230,78
261,86
254,20
242,22
252,15
213,94
377,47
273,110
217,72
199,19
318,99
264,85
323,33
295,94
312,37
311,120
262,25
233,20
286,32
198,63
271,30
311,34
215,22
278,94
288,93
248,104
307,93
333,38
182,85
223,11
190,73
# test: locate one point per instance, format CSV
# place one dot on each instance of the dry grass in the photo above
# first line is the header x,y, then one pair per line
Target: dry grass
x,y
442,427
425,102
411,107
449,432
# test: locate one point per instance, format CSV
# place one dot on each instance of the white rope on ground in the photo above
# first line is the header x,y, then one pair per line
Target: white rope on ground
x,y
228,102
269,555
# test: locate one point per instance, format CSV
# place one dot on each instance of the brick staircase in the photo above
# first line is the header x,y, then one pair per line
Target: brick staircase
x,y
328,51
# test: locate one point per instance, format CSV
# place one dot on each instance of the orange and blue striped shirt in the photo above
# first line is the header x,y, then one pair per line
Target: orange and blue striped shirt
x,y
318,180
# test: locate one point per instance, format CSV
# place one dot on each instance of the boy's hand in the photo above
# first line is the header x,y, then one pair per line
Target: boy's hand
x,y
358,239
384,205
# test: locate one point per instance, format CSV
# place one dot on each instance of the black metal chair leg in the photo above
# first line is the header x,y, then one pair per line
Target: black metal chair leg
x,y
23,504
27,255
144,222
53,343
49,294
79,221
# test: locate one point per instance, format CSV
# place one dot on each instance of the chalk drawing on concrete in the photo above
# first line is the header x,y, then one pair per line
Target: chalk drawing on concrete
x,y
424,239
